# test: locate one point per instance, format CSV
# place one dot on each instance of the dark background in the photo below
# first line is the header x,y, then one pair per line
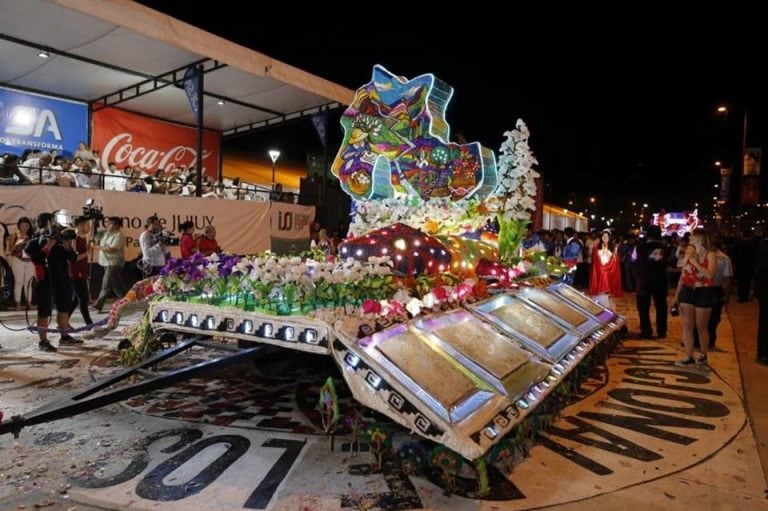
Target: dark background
x,y
621,104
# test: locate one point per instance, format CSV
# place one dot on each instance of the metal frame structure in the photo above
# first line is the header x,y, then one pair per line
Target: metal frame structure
x,y
131,81
99,395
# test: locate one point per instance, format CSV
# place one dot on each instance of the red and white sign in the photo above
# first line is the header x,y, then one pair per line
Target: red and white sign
x,y
131,139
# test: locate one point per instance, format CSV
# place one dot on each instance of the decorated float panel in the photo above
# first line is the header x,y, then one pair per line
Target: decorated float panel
x,y
585,304
464,378
292,332
538,331
396,141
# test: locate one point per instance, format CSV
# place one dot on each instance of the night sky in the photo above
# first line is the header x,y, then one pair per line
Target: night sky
x,y
621,104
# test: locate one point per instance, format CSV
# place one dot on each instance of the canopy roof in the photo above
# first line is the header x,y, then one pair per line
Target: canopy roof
x,y
125,54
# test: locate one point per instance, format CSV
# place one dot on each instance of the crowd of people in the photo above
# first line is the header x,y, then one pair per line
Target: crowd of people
x,y
50,266
84,170
698,269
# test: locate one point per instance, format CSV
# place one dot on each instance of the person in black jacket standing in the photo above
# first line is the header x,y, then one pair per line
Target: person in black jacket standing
x,y
650,258
50,254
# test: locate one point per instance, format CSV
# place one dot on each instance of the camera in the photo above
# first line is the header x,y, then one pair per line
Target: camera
x,y
59,233
674,310
167,238
93,212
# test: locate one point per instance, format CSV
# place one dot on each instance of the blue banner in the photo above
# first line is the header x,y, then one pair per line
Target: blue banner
x,y
319,122
191,86
32,121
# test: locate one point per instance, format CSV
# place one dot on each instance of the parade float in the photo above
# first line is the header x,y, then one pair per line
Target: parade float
x,y
432,310
435,313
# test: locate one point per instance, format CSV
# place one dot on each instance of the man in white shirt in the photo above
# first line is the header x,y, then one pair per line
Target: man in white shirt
x,y
112,259
38,169
114,179
153,250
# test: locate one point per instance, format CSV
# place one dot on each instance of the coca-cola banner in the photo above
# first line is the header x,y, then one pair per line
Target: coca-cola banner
x,y
242,227
131,139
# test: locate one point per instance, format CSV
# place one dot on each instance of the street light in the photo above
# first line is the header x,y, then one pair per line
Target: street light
x,y
274,154
724,110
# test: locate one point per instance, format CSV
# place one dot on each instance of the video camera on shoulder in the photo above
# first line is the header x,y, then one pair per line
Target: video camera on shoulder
x,y
58,233
167,238
93,212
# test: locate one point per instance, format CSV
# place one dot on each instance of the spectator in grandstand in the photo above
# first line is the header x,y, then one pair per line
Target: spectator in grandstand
x,y
84,152
113,178
21,265
65,174
209,187
158,181
135,182
38,169
183,173
86,178
174,184
10,173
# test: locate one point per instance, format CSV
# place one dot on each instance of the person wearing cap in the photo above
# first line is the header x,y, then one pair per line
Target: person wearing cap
x,y
650,262
187,242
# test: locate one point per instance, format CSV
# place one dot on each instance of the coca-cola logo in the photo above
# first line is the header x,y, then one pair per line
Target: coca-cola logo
x,y
121,150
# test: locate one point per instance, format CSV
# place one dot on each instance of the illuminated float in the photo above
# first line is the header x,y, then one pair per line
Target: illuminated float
x,y
430,312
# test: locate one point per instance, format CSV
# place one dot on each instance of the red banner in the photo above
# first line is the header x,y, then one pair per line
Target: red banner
x,y
132,139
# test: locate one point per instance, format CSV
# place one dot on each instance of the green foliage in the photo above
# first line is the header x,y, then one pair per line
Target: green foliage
x,y
511,233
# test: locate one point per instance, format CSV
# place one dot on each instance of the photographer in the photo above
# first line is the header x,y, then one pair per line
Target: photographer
x,y
153,247
112,259
50,252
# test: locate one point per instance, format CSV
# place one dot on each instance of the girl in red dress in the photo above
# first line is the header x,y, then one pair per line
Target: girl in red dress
x,y
605,277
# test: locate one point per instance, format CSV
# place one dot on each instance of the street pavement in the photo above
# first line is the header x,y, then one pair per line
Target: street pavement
x,y
643,434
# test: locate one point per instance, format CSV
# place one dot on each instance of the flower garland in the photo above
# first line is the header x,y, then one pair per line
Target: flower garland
x,y
516,187
280,284
434,216
515,190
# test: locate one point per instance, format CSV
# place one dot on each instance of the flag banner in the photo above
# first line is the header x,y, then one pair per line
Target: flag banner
x,y
319,121
725,184
192,87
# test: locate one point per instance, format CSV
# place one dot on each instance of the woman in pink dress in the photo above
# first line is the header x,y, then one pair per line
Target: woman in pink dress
x,y
605,277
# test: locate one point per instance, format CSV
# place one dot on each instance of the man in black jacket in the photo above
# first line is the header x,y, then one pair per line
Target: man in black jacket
x,y
650,260
50,254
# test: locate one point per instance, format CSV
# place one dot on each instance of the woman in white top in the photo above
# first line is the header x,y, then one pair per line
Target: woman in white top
x,y
21,265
